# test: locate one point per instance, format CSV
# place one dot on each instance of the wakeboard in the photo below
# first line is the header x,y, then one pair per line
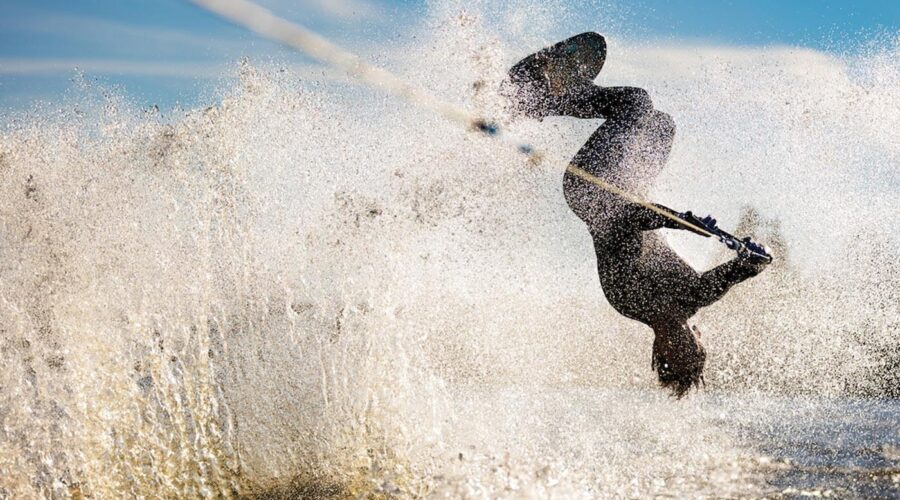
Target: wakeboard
x,y
554,70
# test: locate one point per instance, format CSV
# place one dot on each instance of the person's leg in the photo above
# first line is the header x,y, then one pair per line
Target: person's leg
x,y
603,152
628,150
594,101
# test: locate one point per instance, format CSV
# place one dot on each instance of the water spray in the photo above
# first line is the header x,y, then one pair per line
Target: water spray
x,y
265,23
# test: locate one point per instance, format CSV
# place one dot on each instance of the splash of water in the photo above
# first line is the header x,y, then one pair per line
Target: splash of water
x,y
308,288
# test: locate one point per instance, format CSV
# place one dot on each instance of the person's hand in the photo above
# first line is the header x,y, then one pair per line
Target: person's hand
x,y
756,247
709,223
754,252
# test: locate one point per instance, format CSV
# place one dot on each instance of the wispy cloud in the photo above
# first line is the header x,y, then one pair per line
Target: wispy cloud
x,y
40,66
112,36
340,10
346,9
121,67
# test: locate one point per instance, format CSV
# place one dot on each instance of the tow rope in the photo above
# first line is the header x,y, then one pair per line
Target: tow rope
x,y
263,22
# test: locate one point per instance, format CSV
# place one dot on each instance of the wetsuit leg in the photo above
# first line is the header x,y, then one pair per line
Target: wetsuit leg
x,y
603,154
628,150
593,101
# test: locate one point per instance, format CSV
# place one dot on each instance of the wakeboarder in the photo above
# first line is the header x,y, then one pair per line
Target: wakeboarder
x,y
641,276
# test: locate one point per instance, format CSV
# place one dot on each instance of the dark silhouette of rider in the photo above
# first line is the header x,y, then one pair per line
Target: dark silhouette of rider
x,y
641,276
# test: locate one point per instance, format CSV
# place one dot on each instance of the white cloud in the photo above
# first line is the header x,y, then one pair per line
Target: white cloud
x,y
343,10
122,67
118,35
27,66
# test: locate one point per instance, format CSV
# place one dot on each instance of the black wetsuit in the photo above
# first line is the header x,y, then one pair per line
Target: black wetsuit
x,y
641,276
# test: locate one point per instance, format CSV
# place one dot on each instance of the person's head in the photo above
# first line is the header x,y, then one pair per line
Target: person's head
x,y
678,357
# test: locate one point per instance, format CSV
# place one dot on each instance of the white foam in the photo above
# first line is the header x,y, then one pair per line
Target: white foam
x,y
309,282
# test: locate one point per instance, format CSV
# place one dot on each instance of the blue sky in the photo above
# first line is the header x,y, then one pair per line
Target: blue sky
x,y
169,51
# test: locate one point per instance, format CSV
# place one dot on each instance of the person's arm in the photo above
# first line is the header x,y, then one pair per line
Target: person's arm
x,y
649,220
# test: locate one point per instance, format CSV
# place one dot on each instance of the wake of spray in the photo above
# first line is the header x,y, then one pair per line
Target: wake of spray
x,y
306,286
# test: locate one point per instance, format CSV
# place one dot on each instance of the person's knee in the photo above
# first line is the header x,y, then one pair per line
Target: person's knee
x,y
638,101
663,123
629,103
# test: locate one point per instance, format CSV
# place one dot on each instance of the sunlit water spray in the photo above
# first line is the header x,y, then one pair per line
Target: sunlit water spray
x,y
309,288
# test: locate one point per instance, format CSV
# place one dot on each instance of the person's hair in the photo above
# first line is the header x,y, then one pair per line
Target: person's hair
x,y
678,358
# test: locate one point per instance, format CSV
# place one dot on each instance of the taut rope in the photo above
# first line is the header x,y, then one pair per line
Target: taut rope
x,y
267,24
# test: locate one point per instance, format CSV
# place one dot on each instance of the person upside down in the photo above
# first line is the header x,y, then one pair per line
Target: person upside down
x,y
641,276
